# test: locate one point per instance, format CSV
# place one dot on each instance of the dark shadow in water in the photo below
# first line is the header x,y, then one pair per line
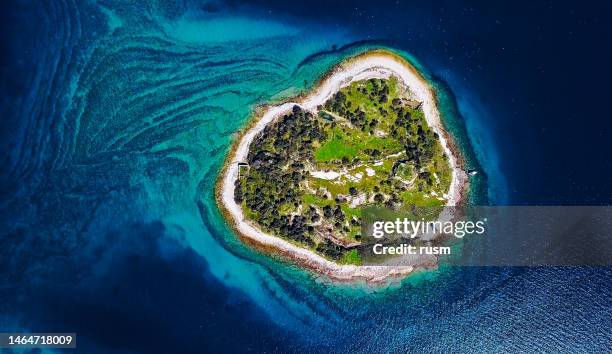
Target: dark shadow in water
x,y
144,292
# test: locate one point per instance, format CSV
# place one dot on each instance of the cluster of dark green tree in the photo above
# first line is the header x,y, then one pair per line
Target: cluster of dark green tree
x,y
420,142
339,104
276,167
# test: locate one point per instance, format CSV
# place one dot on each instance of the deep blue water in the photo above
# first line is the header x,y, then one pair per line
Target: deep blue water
x,y
116,118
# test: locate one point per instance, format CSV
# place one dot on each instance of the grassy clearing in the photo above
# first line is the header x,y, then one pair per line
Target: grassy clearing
x,y
420,199
350,143
351,257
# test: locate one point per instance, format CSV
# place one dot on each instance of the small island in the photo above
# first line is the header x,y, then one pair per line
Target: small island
x,y
368,135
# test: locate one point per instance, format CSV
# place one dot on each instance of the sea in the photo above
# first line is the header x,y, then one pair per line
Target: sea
x,y
117,117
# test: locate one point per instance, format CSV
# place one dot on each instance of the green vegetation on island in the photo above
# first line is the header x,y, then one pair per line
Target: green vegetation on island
x,y
308,174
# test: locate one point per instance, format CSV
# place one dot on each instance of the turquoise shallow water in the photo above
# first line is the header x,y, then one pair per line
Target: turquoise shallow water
x,y
110,222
